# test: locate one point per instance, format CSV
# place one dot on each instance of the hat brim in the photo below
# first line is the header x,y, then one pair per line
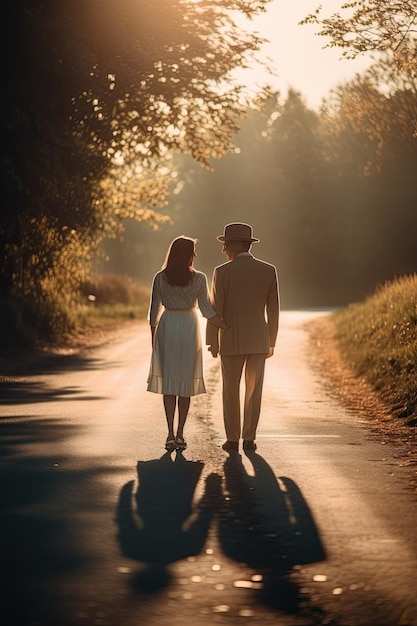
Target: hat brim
x,y
222,238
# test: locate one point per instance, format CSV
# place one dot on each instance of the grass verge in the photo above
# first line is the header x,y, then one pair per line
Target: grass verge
x,y
377,339
106,302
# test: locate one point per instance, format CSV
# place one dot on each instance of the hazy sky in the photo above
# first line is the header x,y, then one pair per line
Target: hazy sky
x,y
298,55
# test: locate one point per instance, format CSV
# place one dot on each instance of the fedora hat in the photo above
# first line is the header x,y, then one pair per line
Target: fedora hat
x,y
237,231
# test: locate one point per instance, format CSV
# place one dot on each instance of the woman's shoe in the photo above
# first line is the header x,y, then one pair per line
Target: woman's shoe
x,y
180,442
170,444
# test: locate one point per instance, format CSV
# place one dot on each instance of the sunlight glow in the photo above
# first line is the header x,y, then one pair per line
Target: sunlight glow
x,y
297,55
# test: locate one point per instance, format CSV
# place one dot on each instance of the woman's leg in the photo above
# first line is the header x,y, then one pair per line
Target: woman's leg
x,y
183,408
169,406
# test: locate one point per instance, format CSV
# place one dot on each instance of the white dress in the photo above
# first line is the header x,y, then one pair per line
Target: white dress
x,y
177,362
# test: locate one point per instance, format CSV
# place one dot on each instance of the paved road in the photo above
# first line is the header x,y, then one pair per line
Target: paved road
x,y
100,527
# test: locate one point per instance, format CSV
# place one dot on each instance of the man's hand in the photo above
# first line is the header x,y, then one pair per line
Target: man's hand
x,y
214,351
271,352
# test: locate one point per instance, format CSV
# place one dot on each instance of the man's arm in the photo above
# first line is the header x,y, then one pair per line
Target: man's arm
x,y
272,312
212,332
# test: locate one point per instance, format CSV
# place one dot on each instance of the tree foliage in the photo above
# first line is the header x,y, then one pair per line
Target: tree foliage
x,y
372,26
98,93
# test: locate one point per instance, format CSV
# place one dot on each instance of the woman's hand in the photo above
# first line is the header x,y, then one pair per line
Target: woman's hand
x,y
217,321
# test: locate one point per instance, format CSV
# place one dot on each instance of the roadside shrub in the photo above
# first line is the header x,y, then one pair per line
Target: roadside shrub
x,y
112,289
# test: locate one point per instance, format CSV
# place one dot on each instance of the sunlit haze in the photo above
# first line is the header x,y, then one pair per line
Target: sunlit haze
x,y
298,55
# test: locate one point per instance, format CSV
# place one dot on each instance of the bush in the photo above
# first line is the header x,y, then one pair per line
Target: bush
x,y
104,289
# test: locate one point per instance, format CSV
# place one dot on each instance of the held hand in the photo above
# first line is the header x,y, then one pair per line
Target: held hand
x,y
218,322
214,351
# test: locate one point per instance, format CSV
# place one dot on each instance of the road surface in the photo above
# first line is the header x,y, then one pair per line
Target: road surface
x,y
100,527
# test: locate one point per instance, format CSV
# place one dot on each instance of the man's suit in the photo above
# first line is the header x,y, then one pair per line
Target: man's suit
x,y
245,294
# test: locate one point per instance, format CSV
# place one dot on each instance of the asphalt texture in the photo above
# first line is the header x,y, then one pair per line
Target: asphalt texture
x,y
100,526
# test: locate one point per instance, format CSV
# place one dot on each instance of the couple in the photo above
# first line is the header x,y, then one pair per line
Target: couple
x,y
242,325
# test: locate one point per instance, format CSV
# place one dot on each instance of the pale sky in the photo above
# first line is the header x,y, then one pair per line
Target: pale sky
x,y
298,55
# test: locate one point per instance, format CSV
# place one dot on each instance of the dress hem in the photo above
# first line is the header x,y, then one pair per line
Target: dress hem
x,y
173,387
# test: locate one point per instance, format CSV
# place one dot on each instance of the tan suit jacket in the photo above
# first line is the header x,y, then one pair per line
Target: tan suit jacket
x,y
245,294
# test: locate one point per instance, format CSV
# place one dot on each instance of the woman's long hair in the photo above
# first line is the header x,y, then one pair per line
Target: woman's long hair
x,y
178,262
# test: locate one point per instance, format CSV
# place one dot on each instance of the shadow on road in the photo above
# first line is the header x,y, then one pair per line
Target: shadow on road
x,y
24,392
42,363
18,384
262,521
266,524
41,495
159,525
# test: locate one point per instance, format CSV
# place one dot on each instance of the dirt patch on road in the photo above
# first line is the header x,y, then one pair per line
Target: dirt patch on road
x,y
357,395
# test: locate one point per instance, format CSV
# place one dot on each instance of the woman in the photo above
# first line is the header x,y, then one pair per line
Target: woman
x,y
176,369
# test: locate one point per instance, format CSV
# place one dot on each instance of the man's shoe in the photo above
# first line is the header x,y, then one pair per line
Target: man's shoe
x,y
249,445
230,446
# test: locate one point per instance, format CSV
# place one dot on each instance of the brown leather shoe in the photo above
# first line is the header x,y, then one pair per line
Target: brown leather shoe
x,y
249,445
230,446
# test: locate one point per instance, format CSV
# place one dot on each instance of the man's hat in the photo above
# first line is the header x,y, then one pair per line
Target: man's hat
x,y
237,232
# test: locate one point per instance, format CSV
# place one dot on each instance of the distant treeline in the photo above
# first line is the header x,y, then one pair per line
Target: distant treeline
x,y
331,194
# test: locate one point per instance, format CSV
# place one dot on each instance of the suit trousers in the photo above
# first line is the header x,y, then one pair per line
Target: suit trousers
x,y
232,368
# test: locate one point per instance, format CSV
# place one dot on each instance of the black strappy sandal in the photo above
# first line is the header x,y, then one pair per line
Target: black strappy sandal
x,y
170,444
180,442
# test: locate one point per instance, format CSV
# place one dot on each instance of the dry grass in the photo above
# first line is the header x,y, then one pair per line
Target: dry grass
x,y
378,341
354,349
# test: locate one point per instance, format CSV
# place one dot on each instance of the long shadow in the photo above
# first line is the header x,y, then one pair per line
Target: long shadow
x,y
40,497
266,523
159,525
32,363
18,383
33,392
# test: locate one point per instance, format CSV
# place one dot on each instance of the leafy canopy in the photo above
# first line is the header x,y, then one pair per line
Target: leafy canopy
x,y
99,94
372,26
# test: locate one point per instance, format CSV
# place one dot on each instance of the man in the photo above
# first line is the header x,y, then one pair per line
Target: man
x,y
245,294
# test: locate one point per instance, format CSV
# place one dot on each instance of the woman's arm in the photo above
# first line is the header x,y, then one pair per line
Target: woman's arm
x,y
218,322
155,303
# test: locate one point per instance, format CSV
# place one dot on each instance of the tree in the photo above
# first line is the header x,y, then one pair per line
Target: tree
x,y
380,115
373,26
99,92
373,152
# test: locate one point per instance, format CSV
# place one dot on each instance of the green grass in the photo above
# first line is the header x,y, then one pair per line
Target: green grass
x,y
378,340
92,315
28,321
108,299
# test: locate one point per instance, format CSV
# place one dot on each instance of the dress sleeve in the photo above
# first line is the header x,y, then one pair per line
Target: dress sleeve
x,y
203,297
155,304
